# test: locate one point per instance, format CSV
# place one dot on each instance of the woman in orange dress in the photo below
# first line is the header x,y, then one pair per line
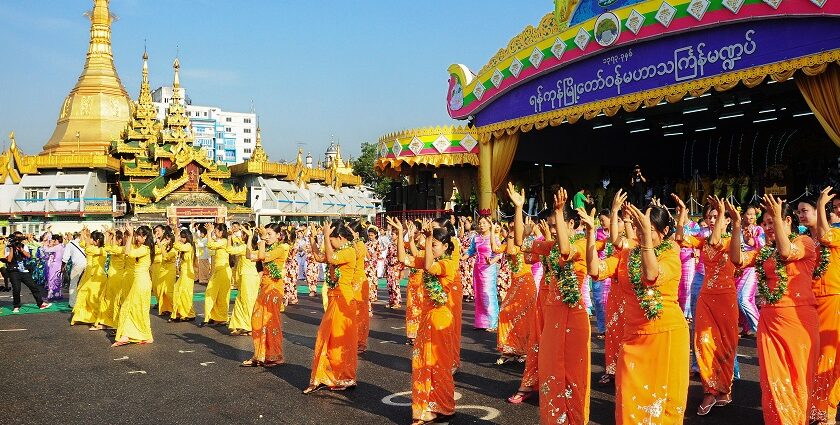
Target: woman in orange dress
x,y
716,317
414,289
614,313
517,305
787,338
456,298
335,358
652,365
826,287
530,246
432,383
360,284
266,321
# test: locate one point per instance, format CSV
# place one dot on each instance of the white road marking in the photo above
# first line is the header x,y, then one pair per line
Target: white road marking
x,y
491,412
13,330
137,371
121,358
186,351
313,312
388,342
389,400
206,363
397,327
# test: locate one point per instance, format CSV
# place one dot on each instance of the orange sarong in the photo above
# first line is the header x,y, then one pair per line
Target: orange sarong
x,y
432,383
788,342
413,303
335,358
716,340
362,290
652,366
266,321
530,376
515,314
827,381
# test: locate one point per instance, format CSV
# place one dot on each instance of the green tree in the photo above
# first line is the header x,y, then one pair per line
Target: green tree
x,y
363,167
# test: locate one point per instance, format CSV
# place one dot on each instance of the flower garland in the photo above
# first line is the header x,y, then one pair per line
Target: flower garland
x,y
331,281
516,264
822,265
771,297
608,249
273,269
564,274
650,298
434,289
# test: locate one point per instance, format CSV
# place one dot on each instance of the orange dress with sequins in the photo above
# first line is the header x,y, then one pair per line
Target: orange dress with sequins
x,y
827,291
266,321
432,383
787,337
652,364
335,358
517,309
716,317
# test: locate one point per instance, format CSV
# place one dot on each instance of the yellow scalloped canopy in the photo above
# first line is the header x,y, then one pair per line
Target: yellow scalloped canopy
x,y
394,166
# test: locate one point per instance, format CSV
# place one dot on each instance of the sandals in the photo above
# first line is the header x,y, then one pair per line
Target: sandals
x,y
271,364
120,343
520,397
504,359
606,379
249,363
703,410
723,402
313,388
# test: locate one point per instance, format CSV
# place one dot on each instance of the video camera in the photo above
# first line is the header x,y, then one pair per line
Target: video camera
x,y
15,241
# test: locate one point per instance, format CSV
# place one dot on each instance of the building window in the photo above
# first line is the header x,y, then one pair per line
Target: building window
x,y
205,114
227,129
247,130
247,150
247,120
227,119
247,140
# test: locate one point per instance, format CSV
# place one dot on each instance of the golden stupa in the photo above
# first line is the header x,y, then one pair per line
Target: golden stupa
x,y
97,109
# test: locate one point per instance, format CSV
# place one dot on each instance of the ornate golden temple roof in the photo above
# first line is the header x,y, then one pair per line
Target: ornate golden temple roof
x,y
97,109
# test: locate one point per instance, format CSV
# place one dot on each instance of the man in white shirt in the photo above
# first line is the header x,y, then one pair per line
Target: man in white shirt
x,y
75,255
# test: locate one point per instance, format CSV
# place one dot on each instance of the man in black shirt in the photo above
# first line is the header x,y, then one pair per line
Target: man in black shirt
x,y
638,185
17,258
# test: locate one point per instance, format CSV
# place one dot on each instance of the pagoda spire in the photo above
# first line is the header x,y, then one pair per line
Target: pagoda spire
x,y
97,109
144,126
259,154
177,123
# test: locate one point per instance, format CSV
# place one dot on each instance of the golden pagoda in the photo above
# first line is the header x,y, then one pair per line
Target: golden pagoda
x,y
97,109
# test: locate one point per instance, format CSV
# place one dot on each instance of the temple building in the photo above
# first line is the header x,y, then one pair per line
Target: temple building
x,y
111,159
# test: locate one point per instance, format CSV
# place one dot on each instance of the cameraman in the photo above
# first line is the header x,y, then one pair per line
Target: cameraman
x,y
17,259
638,186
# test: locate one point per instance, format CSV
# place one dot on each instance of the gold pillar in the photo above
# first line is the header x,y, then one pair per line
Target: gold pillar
x,y
485,187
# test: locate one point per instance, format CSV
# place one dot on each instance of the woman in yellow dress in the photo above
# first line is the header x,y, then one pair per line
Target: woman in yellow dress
x,y
92,284
249,282
167,272
157,262
217,294
134,324
115,288
335,358
273,251
182,295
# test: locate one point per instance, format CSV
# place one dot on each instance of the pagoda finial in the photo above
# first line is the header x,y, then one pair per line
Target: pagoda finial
x,y
259,154
176,83
12,142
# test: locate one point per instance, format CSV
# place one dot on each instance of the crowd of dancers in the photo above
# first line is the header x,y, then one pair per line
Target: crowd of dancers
x,y
654,280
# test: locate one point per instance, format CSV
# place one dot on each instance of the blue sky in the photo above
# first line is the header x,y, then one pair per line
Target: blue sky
x,y
355,69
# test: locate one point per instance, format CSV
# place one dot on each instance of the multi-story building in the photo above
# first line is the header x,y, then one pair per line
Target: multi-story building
x,y
229,137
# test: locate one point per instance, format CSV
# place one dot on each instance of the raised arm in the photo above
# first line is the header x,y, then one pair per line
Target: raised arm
x,y
682,218
720,224
736,256
619,200
398,228
316,252
822,217
560,223
518,199
773,206
592,259
650,265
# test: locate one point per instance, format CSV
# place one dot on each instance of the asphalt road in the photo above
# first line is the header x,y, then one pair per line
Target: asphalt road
x,y
53,373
